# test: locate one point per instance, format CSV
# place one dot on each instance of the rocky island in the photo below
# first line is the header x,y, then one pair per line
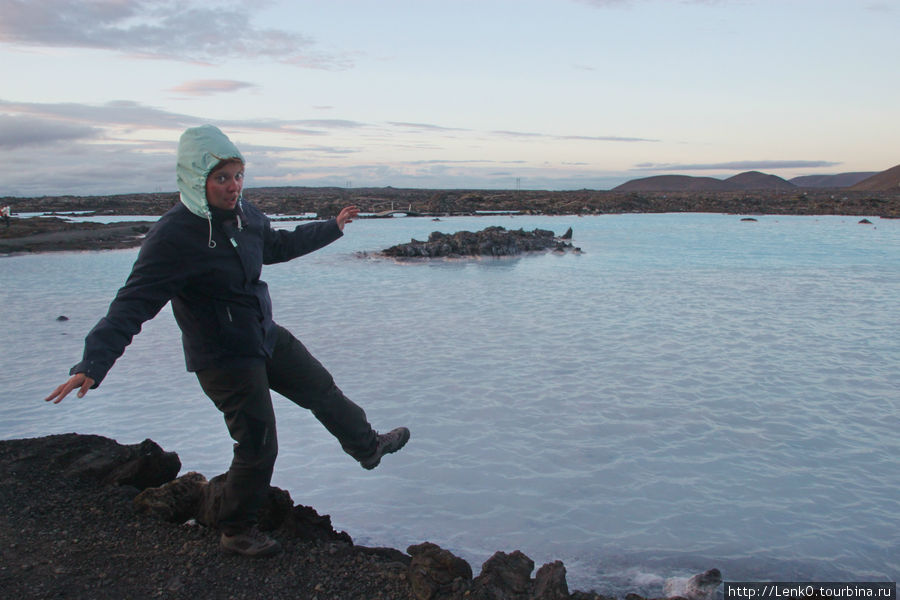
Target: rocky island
x,y
491,241
82,516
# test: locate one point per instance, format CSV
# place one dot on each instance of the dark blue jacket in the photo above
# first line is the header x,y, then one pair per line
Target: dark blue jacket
x,y
221,305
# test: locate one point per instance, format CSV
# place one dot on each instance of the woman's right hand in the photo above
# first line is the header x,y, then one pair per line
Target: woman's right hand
x,y
78,380
346,216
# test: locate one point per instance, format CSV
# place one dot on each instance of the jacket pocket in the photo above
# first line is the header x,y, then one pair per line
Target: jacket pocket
x,y
240,330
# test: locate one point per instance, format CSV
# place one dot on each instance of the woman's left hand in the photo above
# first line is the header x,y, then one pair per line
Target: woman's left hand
x,y
346,216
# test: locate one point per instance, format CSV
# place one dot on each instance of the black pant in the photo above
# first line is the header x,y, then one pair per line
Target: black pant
x,y
244,399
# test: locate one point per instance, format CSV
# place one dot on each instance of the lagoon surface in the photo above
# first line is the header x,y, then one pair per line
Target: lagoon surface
x,y
692,391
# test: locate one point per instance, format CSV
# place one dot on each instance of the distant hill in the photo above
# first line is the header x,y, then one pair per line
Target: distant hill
x,y
754,180
881,182
831,181
751,180
674,183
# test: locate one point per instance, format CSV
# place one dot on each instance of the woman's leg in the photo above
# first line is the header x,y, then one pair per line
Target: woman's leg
x,y
296,374
243,397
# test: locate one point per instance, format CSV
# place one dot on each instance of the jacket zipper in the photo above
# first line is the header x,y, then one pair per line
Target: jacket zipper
x,y
228,310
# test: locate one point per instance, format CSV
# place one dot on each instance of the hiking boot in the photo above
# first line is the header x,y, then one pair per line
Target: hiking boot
x,y
252,542
386,443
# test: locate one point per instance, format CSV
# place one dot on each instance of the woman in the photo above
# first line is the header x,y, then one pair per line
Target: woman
x,y
205,255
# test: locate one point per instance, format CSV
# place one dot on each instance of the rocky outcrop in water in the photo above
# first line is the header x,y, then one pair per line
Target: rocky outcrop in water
x,y
491,241
701,586
436,574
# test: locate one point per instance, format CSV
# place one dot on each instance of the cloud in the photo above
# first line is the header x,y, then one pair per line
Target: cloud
x,y
125,147
330,150
517,133
424,126
629,3
133,115
208,87
84,169
604,138
606,3
405,175
116,147
745,165
880,7
588,138
330,123
185,30
438,161
20,132
116,113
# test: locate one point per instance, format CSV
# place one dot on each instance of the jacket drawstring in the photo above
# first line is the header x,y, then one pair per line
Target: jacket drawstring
x,y
240,225
212,242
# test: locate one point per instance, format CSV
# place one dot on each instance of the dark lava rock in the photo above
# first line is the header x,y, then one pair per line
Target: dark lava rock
x,y
75,526
67,534
505,576
175,501
437,574
491,241
103,460
550,582
701,586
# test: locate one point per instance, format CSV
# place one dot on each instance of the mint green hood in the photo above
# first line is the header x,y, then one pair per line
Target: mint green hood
x,y
199,150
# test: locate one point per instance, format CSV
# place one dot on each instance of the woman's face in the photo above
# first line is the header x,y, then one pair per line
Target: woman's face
x,y
224,184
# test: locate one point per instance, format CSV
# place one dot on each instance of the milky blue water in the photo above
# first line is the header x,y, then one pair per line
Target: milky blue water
x,y
692,391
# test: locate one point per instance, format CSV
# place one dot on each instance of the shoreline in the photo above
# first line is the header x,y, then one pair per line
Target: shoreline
x,y
327,202
85,517
52,234
33,235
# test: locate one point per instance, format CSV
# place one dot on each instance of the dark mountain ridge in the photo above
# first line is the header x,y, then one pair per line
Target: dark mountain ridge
x,y
880,182
863,181
675,183
754,180
750,180
839,180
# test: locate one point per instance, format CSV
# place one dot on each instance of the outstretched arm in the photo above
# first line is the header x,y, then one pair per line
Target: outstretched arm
x,y
78,380
282,245
156,276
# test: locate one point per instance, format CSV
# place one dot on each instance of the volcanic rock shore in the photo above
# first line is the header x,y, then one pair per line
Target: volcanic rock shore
x,y
327,202
46,234
82,516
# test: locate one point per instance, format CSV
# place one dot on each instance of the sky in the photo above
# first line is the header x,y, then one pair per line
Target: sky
x,y
487,94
